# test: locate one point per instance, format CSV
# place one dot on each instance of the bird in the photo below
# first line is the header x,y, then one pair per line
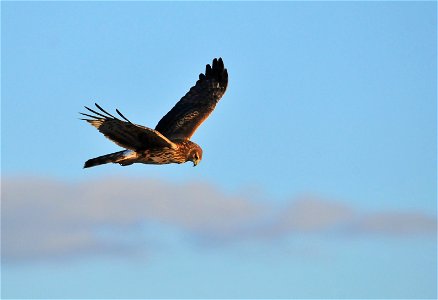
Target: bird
x,y
170,141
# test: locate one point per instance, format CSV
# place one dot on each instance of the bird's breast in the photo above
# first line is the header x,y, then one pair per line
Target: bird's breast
x,y
161,156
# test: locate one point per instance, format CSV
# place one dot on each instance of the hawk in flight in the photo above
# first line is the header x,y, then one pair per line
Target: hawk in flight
x,y
170,141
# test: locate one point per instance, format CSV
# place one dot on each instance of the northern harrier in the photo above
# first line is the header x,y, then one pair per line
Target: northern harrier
x,y
170,141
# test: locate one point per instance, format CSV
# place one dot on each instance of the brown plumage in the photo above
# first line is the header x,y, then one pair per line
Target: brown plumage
x,y
170,141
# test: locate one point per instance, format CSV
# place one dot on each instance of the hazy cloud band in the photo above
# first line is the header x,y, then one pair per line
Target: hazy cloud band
x,y
48,219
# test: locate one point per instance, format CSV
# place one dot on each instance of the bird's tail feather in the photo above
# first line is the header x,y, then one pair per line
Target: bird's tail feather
x,y
104,159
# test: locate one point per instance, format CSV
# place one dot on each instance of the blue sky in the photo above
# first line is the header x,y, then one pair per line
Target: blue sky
x,y
329,104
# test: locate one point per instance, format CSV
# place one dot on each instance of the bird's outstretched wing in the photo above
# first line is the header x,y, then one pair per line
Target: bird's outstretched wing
x,y
124,133
186,116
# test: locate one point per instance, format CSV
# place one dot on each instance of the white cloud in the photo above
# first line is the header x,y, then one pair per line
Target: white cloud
x,y
46,219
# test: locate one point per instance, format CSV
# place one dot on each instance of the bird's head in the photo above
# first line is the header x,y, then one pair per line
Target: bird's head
x,y
195,155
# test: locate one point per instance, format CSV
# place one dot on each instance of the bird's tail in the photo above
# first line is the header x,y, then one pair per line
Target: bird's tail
x,y
108,158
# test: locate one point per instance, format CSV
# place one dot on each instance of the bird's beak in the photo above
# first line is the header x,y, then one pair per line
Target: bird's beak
x,y
195,163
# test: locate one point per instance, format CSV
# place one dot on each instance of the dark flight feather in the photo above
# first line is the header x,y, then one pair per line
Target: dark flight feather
x,y
126,134
186,116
